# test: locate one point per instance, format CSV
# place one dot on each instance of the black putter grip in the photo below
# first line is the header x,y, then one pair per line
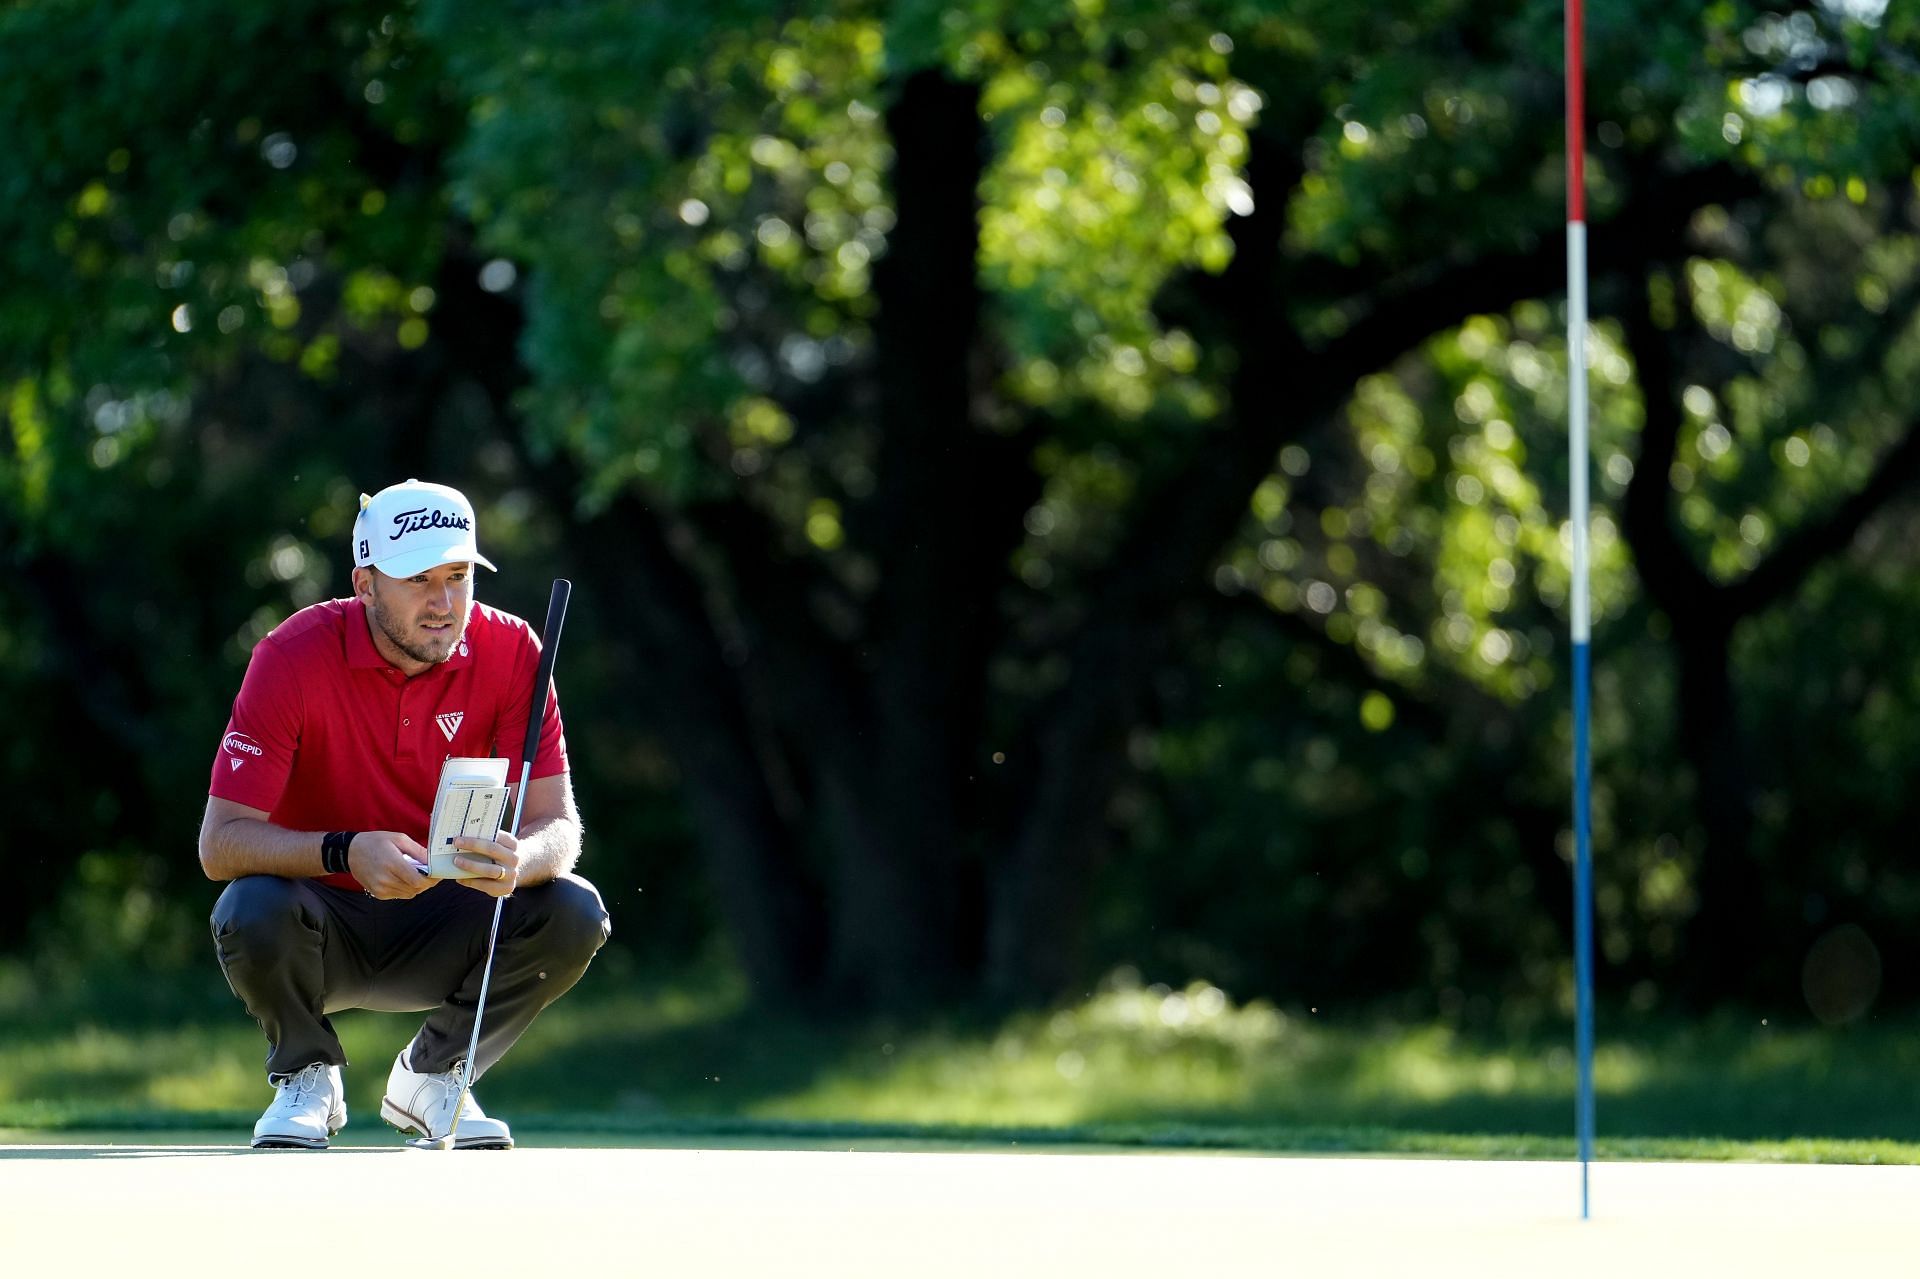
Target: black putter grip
x,y
549,649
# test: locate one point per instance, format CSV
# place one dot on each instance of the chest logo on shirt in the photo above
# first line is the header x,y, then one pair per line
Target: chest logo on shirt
x,y
450,722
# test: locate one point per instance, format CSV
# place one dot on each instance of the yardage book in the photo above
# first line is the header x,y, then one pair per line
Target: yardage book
x,y
471,800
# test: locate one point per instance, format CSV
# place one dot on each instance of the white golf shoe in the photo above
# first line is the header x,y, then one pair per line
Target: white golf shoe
x,y
308,1107
424,1103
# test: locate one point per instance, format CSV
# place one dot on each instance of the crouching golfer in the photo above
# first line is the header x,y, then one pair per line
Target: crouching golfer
x,y
322,791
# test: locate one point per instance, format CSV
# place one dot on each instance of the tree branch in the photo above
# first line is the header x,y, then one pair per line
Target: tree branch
x,y
1398,315
1781,572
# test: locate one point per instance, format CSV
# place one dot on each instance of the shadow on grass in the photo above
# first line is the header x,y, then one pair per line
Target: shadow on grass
x,y
136,1143
1726,1080
634,1059
712,1068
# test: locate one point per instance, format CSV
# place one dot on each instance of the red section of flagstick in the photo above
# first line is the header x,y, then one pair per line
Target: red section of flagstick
x,y
1576,116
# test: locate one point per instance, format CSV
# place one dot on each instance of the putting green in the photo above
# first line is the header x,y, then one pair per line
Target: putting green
x,y
85,1209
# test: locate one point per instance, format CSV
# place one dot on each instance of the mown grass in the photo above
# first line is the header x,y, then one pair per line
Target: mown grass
x,y
632,1058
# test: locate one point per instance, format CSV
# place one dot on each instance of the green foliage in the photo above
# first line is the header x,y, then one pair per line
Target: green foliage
x,y
644,245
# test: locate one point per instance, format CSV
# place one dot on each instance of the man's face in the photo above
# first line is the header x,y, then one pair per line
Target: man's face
x,y
422,616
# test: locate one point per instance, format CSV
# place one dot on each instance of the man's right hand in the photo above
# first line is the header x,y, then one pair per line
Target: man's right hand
x,y
388,864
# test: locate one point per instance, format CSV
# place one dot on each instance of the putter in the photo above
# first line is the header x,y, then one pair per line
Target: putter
x,y
549,649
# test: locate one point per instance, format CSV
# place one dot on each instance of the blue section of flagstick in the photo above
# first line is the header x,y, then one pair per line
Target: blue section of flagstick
x,y
1583,914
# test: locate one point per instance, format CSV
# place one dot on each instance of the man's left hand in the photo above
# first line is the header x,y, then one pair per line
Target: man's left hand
x,y
495,863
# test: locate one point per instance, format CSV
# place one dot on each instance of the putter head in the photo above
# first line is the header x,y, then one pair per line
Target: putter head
x,y
431,1143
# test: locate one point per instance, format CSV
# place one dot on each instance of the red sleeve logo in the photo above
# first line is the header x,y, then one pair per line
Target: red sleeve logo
x,y
241,748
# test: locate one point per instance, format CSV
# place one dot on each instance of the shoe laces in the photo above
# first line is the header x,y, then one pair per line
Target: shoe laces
x,y
299,1086
459,1086
450,1078
449,1081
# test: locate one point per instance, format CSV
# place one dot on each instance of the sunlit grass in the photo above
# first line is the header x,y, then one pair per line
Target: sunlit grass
x,y
634,1055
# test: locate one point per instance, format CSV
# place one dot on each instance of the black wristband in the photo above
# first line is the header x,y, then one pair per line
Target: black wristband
x,y
333,850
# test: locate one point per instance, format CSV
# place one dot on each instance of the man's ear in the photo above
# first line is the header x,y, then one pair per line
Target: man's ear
x,y
363,584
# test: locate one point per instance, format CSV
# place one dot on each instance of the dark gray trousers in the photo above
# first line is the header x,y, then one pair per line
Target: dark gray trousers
x,y
295,950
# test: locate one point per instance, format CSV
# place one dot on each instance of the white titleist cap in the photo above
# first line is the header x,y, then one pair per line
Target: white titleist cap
x,y
409,528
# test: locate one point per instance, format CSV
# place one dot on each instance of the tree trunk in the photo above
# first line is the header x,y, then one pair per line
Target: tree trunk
x,y
1732,942
1726,939
892,777
1039,890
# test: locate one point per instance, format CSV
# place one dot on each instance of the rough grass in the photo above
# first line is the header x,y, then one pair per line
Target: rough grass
x,y
632,1058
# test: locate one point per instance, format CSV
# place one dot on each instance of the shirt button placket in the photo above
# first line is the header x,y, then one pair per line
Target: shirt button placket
x,y
402,737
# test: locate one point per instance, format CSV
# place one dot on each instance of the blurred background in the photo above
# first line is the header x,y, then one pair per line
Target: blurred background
x,y
1067,501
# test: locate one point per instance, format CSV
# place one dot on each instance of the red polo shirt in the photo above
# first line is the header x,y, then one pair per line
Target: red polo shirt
x,y
327,735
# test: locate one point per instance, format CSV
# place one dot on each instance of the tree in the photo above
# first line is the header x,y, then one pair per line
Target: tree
x,y
943,394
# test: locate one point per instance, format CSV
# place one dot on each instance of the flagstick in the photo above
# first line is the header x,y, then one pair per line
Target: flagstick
x,y
1582,670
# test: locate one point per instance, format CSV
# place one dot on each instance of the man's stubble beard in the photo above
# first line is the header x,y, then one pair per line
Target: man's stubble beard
x,y
398,638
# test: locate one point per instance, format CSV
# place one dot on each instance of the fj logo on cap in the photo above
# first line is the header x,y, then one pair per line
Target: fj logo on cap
x,y
450,722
